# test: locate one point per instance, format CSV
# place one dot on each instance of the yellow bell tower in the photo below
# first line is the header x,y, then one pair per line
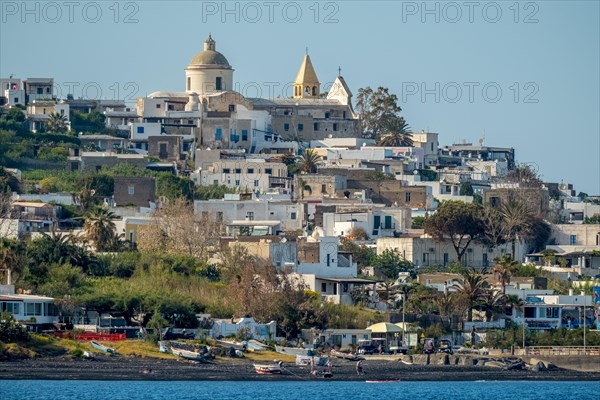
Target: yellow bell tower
x,y
306,84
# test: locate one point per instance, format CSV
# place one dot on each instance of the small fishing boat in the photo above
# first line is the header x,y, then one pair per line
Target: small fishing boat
x,y
187,354
88,355
294,351
383,381
236,345
305,360
103,348
265,369
345,356
163,347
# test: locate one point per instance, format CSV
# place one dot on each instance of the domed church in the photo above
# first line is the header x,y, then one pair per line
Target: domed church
x,y
209,71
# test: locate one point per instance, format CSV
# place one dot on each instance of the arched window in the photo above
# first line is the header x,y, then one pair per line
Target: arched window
x,y
314,91
189,83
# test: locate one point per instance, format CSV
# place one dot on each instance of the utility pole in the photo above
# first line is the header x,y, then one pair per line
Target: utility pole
x,y
524,324
584,304
404,323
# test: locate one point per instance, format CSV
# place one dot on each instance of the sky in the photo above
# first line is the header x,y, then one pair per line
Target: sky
x,y
516,74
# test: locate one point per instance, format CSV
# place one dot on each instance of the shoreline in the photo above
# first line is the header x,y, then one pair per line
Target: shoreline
x,y
122,368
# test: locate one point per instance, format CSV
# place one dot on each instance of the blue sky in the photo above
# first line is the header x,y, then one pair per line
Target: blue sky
x,y
522,74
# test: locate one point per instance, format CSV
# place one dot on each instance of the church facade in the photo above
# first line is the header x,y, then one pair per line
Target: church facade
x,y
209,114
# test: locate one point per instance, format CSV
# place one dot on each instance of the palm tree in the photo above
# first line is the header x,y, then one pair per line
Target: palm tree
x,y
504,268
99,228
396,133
57,123
472,289
309,161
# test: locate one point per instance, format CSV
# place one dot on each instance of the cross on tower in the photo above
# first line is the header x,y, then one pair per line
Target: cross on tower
x,y
339,71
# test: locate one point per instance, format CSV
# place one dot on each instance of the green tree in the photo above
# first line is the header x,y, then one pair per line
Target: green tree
x,y
390,262
309,161
57,123
99,228
395,133
466,189
473,290
504,268
458,221
380,116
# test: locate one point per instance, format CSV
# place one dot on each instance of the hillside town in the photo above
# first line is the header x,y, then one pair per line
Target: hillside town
x,y
313,224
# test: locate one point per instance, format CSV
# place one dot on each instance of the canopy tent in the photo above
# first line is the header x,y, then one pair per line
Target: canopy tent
x,y
384,327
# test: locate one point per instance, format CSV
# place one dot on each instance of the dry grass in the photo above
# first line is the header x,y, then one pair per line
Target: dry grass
x,y
269,356
137,348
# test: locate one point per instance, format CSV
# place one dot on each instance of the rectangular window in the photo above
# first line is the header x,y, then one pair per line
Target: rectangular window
x,y
323,287
130,190
529,312
237,182
269,171
219,83
293,215
315,126
300,127
407,197
158,106
232,108
334,127
256,183
219,134
485,260
226,170
445,258
250,215
425,258
323,188
40,90
244,134
286,127
250,170
189,83
328,259
345,289
326,115
238,170
140,129
573,239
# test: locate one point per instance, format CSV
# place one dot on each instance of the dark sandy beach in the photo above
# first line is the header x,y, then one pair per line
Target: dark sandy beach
x,y
137,368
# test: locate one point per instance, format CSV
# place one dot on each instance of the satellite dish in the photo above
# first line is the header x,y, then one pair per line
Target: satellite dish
x,y
416,172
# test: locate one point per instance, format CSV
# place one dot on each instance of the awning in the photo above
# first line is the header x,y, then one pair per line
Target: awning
x,y
356,281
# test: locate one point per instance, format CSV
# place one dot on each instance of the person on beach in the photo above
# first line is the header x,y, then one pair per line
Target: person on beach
x,y
312,366
359,367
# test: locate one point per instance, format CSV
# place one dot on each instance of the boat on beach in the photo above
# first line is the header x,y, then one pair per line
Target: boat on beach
x,y
305,360
103,348
265,369
294,351
345,356
243,346
163,347
187,354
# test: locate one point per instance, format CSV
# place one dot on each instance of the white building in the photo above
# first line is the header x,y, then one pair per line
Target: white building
x,y
27,308
376,220
231,208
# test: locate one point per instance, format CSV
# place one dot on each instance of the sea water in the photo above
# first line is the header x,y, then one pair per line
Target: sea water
x,y
216,390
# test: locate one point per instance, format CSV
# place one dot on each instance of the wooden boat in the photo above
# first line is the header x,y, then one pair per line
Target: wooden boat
x,y
103,348
265,369
188,355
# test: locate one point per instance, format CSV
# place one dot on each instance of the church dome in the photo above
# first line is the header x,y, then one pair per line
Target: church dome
x,y
210,56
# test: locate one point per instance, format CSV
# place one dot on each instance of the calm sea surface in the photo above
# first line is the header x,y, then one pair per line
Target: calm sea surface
x,y
83,390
